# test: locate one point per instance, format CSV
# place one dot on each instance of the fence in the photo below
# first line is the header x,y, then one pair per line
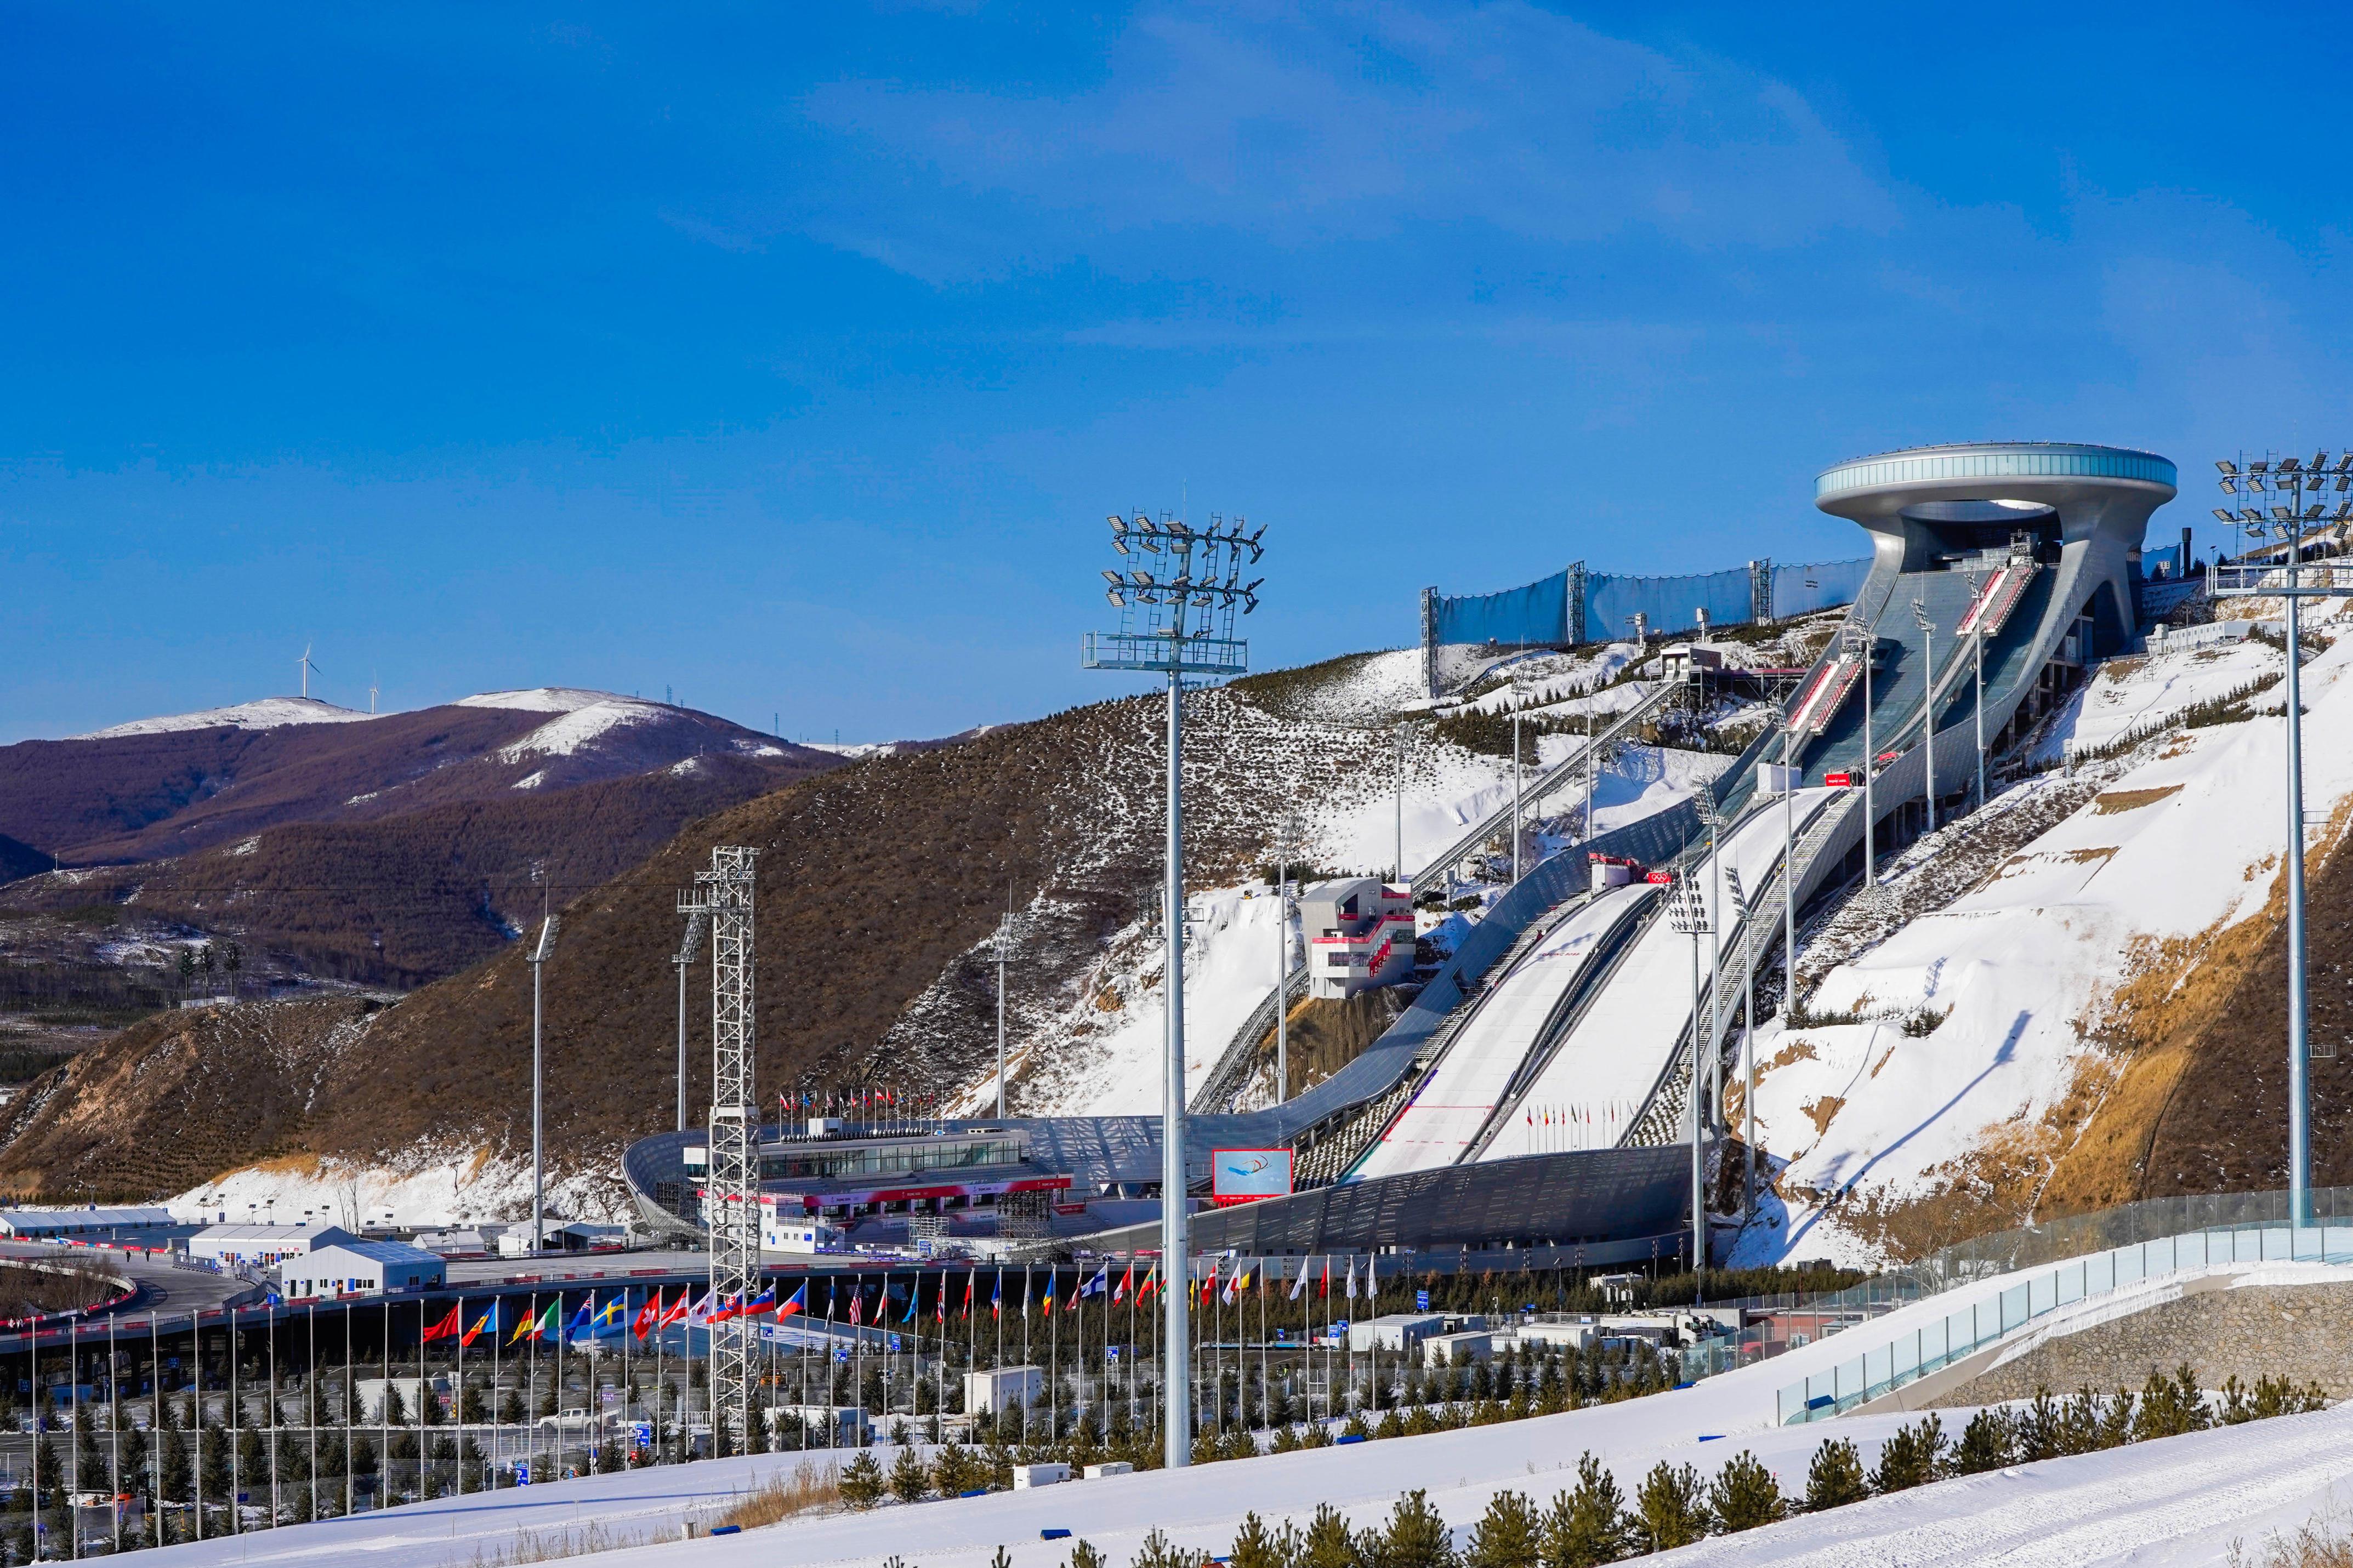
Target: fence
x,y
1577,605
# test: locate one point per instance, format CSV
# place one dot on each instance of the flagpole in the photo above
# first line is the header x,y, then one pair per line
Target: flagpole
x,y
384,1418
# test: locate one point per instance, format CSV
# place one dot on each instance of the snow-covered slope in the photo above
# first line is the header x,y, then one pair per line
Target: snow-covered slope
x,y
1982,991
263,713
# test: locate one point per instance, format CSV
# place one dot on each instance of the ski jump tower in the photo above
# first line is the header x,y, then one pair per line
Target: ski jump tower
x,y
731,1206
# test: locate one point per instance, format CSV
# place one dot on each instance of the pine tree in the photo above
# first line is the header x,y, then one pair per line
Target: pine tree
x,y
861,1481
1587,1526
1508,1535
2116,1420
911,1478
1835,1478
1985,1444
1329,1545
1417,1537
2036,1432
1668,1509
1744,1495
1910,1456
1256,1546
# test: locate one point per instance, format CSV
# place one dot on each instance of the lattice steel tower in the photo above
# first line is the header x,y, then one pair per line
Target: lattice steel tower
x,y
731,1206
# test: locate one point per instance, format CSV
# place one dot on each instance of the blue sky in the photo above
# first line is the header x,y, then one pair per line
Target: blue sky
x,y
791,356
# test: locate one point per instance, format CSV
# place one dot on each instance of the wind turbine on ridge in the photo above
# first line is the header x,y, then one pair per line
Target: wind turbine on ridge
x,y
306,669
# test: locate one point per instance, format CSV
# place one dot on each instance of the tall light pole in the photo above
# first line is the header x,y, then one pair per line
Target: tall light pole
x,y
1858,640
1977,651
1741,910
1713,818
682,960
1516,787
1400,803
2291,482
1004,949
1789,869
1687,914
1283,838
1927,625
1177,619
538,961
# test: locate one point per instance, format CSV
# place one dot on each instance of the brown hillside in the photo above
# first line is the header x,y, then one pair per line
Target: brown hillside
x,y
141,797
875,884
2204,1108
403,900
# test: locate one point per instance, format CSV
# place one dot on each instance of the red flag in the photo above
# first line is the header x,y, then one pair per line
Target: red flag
x,y
648,1315
968,1280
1326,1293
455,1323
676,1310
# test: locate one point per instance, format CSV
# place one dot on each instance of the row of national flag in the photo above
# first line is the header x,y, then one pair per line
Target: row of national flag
x,y
589,1318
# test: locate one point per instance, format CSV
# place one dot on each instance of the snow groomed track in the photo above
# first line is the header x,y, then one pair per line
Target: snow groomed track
x,y
1628,1035
1440,1124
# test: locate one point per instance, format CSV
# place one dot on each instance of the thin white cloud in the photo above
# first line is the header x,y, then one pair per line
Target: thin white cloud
x,y
1297,129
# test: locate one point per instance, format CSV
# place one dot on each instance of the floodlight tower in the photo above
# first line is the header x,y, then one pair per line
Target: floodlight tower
x,y
1004,945
1176,618
2292,484
731,1213
688,949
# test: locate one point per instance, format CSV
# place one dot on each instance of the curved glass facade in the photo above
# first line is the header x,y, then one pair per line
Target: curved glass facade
x,y
2009,461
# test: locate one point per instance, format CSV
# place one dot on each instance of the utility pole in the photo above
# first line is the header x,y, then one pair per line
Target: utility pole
x,y
538,961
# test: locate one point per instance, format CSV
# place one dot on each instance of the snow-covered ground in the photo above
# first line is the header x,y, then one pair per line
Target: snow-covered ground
x,y
2179,1501
263,713
2169,846
2125,692
1116,1068
433,1189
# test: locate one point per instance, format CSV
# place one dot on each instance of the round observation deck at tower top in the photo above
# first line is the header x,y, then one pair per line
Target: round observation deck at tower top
x,y
1927,507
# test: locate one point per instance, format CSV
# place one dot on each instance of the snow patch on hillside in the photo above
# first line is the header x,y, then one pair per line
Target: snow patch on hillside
x,y
1106,1058
264,713
544,699
575,727
437,1188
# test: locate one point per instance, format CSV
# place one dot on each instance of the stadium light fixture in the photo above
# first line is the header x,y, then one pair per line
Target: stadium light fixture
x,y
1862,642
2293,582
1173,624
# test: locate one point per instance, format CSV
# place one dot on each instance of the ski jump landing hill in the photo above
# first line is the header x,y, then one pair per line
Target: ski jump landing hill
x,y
1529,1094
2026,552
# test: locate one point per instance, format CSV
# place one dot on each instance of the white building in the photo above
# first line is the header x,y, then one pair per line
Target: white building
x,y
359,1268
31,1225
262,1245
1003,1388
788,1228
1359,934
